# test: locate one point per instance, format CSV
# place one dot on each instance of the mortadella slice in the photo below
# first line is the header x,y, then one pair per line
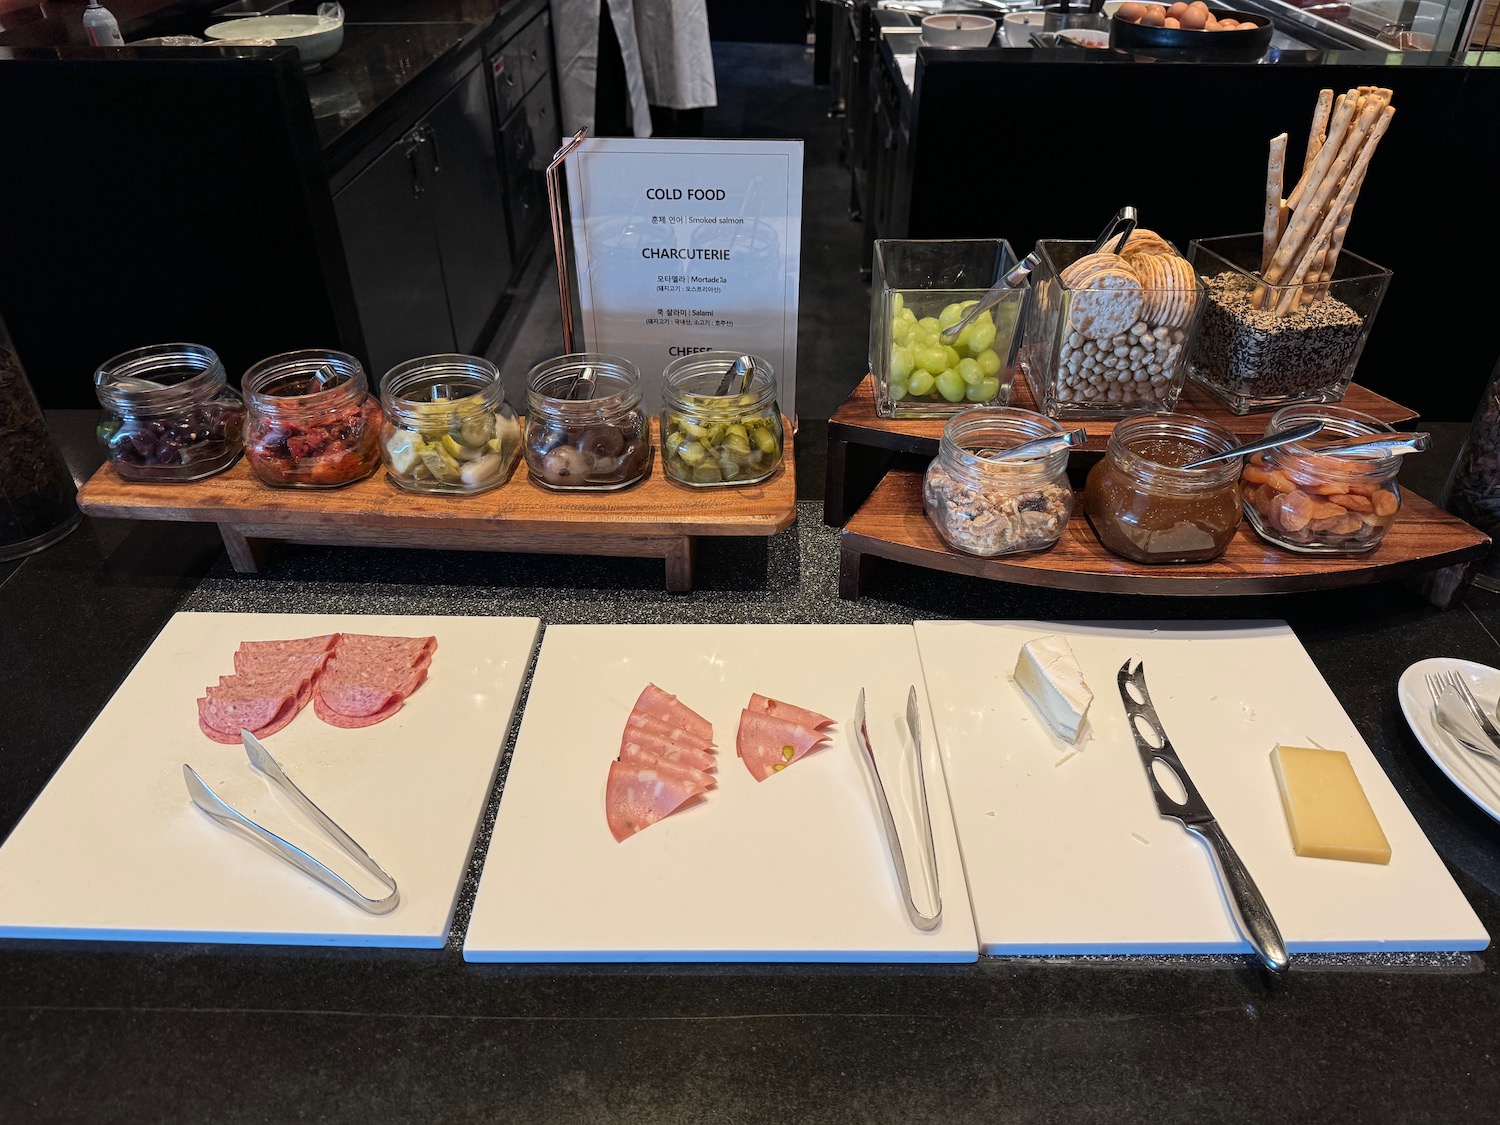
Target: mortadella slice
x,y
799,715
638,746
636,797
640,721
769,744
667,707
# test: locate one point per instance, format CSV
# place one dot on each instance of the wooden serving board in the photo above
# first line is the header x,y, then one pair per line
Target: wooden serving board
x,y
1066,853
857,435
793,868
114,848
656,518
1424,540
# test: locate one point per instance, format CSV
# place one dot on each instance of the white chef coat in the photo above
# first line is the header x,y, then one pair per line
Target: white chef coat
x,y
675,54
575,35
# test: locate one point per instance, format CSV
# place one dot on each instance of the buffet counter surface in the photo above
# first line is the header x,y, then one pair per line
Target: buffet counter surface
x,y
122,1031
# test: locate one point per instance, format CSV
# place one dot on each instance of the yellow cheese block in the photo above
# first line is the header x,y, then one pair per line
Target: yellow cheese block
x,y
1326,808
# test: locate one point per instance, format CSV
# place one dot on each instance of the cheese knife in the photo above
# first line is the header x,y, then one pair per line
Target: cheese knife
x,y
1245,899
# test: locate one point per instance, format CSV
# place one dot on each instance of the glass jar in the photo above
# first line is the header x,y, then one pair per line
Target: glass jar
x,y
168,413
920,287
710,439
311,420
1108,337
36,491
984,506
1145,506
602,441
447,425
1300,344
1318,503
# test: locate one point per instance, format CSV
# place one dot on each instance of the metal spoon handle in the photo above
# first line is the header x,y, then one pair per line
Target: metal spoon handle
x,y
1013,277
1270,441
1042,446
1376,446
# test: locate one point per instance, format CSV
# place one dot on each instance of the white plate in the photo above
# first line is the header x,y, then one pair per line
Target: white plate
x,y
1069,855
795,868
114,849
1477,777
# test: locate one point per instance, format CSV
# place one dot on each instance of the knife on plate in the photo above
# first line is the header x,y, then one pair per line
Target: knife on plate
x,y
1249,907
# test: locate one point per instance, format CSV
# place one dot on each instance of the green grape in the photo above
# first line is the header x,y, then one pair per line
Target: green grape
x,y
981,337
951,315
927,336
931,359
908,316
970,371
988,362
984,317
901,332
930,323
901,364
897,390
898,303
919,384
982,391
950,353
950,385
962,343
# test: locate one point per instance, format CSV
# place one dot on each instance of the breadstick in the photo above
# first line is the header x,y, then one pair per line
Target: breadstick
x,y
1331,167
1343,113
1321,242
1319,131
1330,260
1270,232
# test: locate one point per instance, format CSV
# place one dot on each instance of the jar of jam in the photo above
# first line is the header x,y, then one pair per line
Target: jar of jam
x,y
711,439
168,413
1320,503
1146,505
987,506
311,420
587,428
447,427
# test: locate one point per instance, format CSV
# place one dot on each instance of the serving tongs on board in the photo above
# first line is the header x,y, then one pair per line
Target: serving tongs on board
x,y
882,801
212,804
1245,899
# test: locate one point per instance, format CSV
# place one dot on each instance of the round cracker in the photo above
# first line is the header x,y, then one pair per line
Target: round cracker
x,y
1076,275
1145,243
1111,303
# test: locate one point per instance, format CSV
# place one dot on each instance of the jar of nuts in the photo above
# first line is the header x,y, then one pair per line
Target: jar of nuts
x,y
986,506
1315,502
1106,334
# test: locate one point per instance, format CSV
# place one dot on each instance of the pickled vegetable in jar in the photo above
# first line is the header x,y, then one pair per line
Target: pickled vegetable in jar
x,y
168,413
586,428
311,421
1147,506
447,426
711,439
1321,503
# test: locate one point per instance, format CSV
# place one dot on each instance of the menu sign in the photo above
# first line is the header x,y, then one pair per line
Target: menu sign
x,y
683,246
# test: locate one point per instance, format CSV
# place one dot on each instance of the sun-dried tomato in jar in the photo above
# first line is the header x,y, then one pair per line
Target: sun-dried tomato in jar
x,y
311,421
1303,500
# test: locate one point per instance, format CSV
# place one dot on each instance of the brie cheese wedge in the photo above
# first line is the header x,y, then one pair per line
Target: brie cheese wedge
x,y
1049,676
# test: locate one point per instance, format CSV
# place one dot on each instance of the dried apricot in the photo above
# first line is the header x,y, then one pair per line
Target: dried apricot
x,y
1291,511
1258,459
1353,503
1325,510
1280,481
1255,475
1385,503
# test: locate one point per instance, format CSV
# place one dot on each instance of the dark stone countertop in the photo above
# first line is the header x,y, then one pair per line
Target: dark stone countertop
x,y
127,1032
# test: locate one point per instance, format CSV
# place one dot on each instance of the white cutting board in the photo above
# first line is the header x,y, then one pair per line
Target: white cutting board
x,y
795,868
1069,855
114,849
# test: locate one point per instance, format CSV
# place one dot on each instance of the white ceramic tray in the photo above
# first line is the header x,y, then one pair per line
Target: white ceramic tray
x,y
1478,778
1068,855
792,869
114,849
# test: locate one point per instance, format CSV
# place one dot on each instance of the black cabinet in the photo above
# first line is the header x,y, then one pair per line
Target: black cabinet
x,y
526,107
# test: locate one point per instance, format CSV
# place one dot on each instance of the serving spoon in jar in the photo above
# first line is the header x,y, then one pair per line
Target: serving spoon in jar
x,y
1270,441
1043,446
1376,446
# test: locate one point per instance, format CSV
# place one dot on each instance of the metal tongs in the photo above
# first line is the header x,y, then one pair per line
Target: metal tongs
x,y
1008,281
903,876
210,802
744,367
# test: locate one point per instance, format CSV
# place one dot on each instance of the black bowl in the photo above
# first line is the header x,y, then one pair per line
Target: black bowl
x,y
1123,33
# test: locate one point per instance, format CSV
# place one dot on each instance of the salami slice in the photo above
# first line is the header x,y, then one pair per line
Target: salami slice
x,y
799,715
636,797
265,663
769,744
641,721
350,722
667,707
228,708
353,693
633,749
278,719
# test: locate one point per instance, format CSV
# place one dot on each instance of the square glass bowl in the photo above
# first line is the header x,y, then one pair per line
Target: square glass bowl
x,y
921,287
1106,350
1300,345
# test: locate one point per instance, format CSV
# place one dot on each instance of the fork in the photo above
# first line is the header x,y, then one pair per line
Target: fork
x,y
1441,685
